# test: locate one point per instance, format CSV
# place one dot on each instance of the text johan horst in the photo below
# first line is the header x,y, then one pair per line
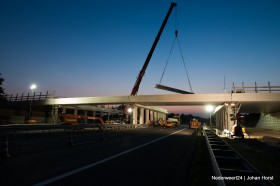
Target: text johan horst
x,y
243,178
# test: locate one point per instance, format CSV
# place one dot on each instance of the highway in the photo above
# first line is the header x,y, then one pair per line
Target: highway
x,y
146,156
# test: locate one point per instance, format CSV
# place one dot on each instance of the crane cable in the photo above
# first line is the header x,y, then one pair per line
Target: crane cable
x,y
167,60
176,39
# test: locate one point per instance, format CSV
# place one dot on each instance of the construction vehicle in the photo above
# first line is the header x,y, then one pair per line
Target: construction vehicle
x,y
172,123
194,123
142,72
74,119
31,121
238,129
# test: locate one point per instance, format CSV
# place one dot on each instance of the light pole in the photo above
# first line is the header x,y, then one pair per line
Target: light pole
x,y
32,87
209,108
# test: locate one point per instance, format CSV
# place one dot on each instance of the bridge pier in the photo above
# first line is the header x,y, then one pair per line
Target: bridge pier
x,y
226,115
147,116
226,118
142,114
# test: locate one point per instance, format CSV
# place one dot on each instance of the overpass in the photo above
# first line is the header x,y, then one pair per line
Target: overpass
x,y
227,104
251,102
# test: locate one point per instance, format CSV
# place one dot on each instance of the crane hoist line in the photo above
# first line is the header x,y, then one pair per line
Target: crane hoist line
x,y
149,56
160,86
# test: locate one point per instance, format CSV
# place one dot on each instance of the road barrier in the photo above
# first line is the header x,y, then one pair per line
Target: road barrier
x,y
229,167
18,131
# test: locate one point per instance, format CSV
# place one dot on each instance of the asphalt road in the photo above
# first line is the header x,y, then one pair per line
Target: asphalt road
x,y
149,156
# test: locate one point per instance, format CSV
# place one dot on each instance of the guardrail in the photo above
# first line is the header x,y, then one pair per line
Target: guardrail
x,y
35,131
16,128
229,166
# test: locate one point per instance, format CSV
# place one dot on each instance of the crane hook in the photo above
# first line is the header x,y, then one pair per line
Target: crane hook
x,y
176,33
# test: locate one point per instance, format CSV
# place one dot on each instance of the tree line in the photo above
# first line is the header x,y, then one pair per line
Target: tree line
x,y
2,93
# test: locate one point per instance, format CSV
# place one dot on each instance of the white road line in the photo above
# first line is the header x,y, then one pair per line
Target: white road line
x,y
60,177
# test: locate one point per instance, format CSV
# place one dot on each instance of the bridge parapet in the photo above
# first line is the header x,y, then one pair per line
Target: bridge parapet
x,y
255,88
28,97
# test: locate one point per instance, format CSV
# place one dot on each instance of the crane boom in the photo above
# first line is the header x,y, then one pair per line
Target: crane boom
x,y
142,72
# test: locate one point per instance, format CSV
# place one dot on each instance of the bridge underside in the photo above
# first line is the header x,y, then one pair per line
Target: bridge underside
x,y
251,102
243,102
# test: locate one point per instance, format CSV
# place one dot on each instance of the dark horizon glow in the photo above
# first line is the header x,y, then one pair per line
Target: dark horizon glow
x,y
97,48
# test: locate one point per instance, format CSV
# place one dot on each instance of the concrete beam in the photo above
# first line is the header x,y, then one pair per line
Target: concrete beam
x,y
251,102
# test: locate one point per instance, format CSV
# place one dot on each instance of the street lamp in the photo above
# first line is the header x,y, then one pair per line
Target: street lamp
x,y
32,87
209,108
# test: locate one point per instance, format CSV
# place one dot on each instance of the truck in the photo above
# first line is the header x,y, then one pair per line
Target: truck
x,y
194,123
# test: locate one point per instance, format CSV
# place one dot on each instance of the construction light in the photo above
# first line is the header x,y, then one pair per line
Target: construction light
x,y
209,108
129,110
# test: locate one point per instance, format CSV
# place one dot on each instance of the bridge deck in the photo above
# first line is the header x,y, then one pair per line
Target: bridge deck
x,y
251,102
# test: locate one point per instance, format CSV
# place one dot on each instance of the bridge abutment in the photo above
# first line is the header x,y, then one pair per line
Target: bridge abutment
x,y
269,121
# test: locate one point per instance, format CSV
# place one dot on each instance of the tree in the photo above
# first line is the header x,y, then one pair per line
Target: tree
x,y
2,93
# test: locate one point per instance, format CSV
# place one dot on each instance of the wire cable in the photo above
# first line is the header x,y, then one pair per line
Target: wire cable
x,y
182,56
184,62
167,59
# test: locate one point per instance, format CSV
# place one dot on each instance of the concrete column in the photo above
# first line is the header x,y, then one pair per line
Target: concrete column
x,y
141,116
108,114
64,110
156,115
147,116
93,113
164,116
135,115
85,113
75,111
152,115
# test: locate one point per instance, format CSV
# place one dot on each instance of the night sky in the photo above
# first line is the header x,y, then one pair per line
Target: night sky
x,y
97,48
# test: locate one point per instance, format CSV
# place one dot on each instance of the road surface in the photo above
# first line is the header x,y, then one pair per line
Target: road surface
x,y
147,156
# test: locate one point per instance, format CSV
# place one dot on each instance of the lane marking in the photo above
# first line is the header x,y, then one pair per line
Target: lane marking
x,y
62,176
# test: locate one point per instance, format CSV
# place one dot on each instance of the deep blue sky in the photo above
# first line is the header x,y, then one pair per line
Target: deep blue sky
x,y
97,48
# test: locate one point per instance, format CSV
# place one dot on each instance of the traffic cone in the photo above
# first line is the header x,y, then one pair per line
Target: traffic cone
x,y
5,148
70,142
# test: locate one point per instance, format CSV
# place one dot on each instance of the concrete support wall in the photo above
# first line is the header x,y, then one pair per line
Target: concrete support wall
x,y
269,121
223,120
152,115
147,116
155,116
266,121
141,116
135,115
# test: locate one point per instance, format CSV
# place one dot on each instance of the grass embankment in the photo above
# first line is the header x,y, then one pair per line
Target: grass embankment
x,y
264,157
201,173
